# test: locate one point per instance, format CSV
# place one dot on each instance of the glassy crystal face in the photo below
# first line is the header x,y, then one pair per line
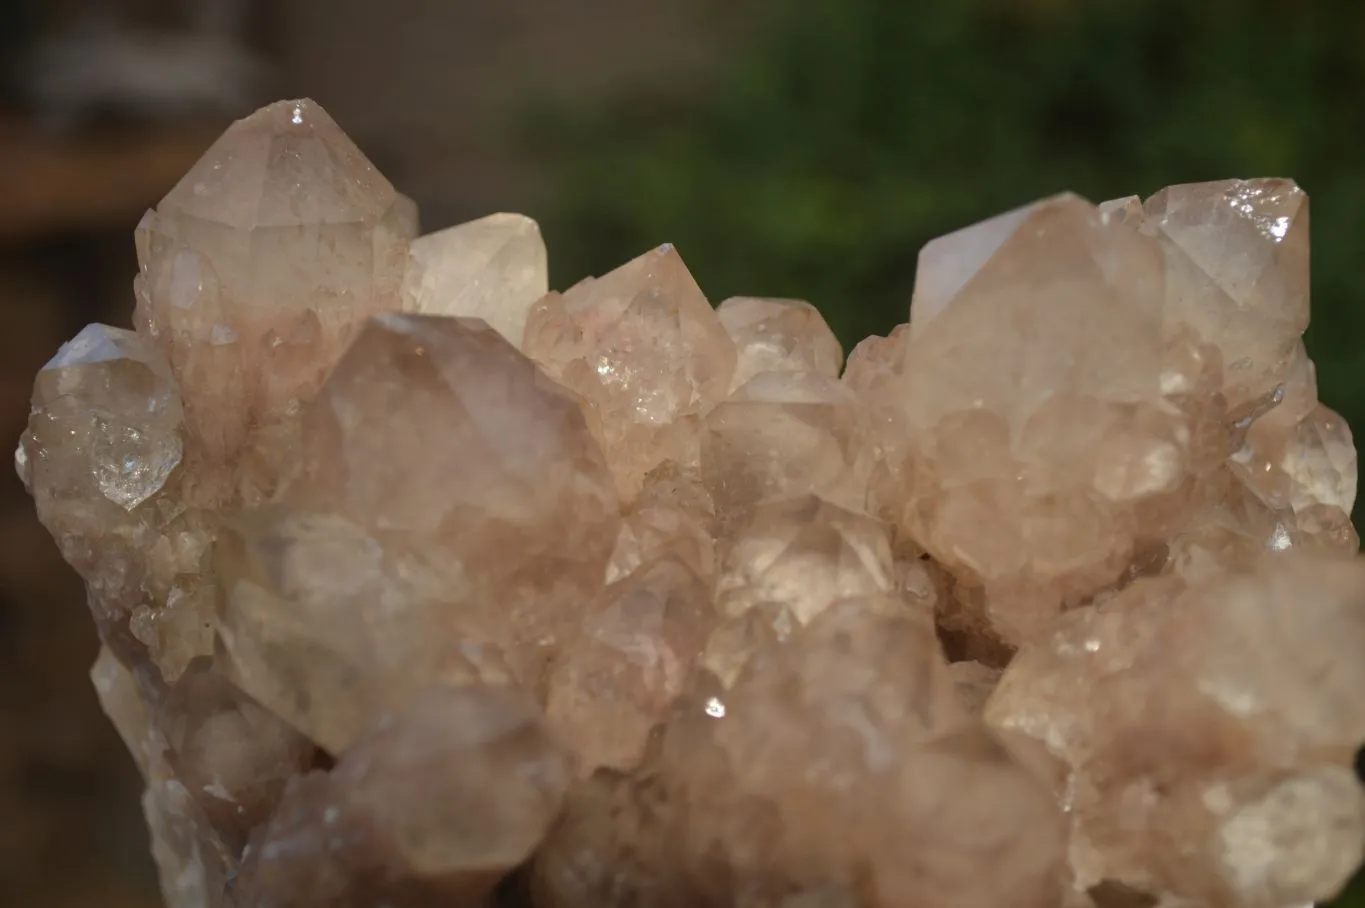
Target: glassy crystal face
x,y
646,351
416,581
493,268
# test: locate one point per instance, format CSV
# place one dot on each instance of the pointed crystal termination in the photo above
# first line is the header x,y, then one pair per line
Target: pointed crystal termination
x,y
802,555
777,335
672,516
257,269
493,268
102,454
440,474
784,434
1237,273
646,350
1031,465
618,679
433,805
1232,706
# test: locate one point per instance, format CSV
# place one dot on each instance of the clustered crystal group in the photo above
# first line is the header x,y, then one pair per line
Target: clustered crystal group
x,y
420,585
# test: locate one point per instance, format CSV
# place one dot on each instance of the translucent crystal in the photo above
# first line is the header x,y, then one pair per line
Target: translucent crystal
x,y
1051,600
493,268
645,349
783,434
832,754
777,335
1033,470
433,805
1237,272
260,265
103,454
440,473
620,676
803,554
1209,730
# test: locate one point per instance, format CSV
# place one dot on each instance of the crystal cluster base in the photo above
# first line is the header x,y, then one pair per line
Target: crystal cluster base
x,y
420,584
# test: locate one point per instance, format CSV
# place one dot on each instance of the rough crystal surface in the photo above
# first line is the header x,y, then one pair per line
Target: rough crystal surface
x,y
1226,709
418,585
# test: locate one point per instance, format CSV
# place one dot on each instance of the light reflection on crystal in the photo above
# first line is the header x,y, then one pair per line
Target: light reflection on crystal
x,y
1050,589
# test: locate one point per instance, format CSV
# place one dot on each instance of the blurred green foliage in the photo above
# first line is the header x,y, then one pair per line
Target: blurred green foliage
x,y
854,131
859,129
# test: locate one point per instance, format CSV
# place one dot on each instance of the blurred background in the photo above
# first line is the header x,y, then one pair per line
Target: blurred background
x,y
803,148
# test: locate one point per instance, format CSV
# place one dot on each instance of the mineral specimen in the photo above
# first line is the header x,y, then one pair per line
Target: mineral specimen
x,y
419,584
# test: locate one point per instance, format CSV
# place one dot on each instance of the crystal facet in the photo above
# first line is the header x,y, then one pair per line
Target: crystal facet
x,y
417,584
492,268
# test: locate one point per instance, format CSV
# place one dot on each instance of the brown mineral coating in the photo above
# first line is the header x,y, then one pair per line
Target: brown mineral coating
x,y
974,682
778,335
714,565
644,348
431,805
1233,704
612,684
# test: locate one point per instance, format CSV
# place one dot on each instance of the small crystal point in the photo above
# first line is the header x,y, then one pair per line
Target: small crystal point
x,y
287,165
646,351
493,268
773,335
1237,272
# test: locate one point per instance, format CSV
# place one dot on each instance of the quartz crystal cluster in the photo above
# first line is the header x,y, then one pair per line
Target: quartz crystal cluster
x,y
420,584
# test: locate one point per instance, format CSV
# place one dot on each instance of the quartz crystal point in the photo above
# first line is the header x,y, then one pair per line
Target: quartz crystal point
x,y
1236,254
1032,469
493,268
673,515
619,677
430,805
214,763
257,270
439,476
645,350
777,335
1209,730
104,442
783,434
803,554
